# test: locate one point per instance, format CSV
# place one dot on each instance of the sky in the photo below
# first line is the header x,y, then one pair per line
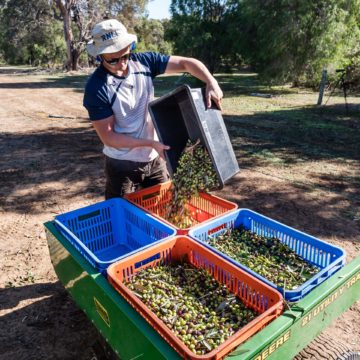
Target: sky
x,y
159,9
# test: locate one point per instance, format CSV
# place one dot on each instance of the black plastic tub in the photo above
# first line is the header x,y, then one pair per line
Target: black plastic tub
x,y
182,115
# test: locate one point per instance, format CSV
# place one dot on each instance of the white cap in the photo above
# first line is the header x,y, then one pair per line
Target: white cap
x,y
109,36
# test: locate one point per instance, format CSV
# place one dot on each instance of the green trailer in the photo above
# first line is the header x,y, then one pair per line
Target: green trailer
x,y
131,337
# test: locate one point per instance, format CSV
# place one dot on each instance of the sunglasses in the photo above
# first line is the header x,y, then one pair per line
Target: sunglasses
x,y
115,61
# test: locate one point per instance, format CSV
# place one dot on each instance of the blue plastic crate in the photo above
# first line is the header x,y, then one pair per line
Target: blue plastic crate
x,y
110,230
327,257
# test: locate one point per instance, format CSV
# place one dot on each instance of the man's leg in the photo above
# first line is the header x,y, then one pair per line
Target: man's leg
x,y
157,173
122,177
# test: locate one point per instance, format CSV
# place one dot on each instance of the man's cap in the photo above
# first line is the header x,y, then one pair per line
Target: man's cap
x,y
109,36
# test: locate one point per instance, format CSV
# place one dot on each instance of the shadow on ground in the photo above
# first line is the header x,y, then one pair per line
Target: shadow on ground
x,y
70,156
288,139
299,134
232,84
321,216
72,81
43,322
31,161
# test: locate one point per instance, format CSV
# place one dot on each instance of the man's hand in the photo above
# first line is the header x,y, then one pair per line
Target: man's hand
x,y
106,133
213,92
160,148
196,68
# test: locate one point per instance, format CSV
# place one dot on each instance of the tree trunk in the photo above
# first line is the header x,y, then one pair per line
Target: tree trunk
x,y
69,38
75,55
65,7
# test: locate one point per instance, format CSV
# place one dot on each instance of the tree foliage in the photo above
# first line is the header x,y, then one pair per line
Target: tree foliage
x,y
150,34
80,16
51,32
284,40
199,29
27,33
292,40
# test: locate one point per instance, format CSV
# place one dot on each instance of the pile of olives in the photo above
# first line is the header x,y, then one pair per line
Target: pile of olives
x,y
266,256
200,311
194,174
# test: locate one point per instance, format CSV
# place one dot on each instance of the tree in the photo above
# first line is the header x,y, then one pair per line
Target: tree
x,y
27,34
29,29
293,40
198,28
83,15
79,17
151,36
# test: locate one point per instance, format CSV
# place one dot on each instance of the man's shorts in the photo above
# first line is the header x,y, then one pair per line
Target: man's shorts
x,y
124,176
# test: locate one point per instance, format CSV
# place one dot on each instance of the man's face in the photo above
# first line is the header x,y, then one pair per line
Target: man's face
x,y
117,61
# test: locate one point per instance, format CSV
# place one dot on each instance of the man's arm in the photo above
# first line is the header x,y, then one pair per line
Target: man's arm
x,y
106,133
197,69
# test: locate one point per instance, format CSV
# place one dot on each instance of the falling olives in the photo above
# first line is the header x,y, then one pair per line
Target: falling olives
x,y
195,173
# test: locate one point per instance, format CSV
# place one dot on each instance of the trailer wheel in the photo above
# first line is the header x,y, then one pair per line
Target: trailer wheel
x,y
351,355
102,350
325,347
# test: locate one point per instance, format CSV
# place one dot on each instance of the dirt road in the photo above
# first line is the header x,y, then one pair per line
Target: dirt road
x,y
51,163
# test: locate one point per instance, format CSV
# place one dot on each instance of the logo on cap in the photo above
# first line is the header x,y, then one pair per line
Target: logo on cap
x,y
109,35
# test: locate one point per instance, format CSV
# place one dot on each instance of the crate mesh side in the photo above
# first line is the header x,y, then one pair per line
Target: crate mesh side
x,y
96,233
251,297
164,257
141,229
210,207
309,252
156,204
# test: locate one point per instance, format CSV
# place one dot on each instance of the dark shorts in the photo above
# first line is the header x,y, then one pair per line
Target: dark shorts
x,y
123,176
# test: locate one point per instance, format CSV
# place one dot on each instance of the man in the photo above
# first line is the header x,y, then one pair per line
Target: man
x,y
117,97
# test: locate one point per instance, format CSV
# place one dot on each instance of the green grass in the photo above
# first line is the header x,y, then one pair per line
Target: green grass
x,y
283,129
288,128
288,135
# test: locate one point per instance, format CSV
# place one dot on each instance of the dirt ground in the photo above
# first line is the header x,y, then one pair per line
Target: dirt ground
x,y
51,163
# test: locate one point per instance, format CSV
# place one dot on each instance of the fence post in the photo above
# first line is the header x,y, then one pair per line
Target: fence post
x,y
322,86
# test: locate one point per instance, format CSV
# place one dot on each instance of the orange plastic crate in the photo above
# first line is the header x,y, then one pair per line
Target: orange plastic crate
x,y
253,293
155,200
